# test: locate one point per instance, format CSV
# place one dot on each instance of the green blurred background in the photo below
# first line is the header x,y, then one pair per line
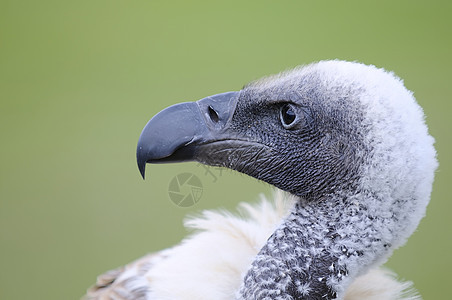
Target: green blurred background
x,y
79,80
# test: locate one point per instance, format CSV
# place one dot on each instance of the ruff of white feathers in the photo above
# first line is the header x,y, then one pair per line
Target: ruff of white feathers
x,y
211,263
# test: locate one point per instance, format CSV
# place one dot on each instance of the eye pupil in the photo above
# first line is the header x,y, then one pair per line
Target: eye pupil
x,y
288,115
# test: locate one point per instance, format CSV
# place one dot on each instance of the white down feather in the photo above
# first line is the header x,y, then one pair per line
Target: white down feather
x,y
211,263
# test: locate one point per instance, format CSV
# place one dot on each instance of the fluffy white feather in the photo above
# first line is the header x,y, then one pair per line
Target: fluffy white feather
x,y
224,245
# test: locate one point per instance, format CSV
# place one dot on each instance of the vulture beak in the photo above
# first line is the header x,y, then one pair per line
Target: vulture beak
x,y
175,133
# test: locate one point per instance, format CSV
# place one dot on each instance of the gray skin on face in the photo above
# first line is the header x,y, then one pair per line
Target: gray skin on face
x,y
317,154
326,138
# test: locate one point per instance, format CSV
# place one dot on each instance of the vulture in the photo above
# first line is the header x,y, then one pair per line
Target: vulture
x,y
347,149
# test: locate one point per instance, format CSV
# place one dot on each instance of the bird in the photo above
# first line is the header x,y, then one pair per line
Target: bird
x,y
347,149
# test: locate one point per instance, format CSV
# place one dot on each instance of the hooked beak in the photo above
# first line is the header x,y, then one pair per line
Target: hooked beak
x,y
176,133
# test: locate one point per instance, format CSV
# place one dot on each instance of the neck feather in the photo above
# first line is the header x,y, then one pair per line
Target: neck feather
x,y
317,250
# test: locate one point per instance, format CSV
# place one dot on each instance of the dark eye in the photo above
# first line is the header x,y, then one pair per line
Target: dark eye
x,y
288,116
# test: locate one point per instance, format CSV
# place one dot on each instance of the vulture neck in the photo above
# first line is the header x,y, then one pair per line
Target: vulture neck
x,y
317,250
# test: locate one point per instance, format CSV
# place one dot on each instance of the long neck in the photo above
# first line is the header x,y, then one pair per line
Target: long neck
x,y
319,247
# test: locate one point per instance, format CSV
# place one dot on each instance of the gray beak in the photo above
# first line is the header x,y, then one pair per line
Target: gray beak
x,y
175,133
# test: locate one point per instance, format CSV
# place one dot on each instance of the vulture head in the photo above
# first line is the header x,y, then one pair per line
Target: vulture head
x,y
348,140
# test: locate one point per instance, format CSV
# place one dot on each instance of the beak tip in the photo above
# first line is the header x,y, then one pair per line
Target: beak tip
x,y
142,168
141,162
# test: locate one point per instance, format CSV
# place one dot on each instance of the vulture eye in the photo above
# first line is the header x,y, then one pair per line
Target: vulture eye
x,y
288,116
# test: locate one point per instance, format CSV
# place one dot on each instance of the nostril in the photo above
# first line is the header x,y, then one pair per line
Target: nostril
x,y
213,114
